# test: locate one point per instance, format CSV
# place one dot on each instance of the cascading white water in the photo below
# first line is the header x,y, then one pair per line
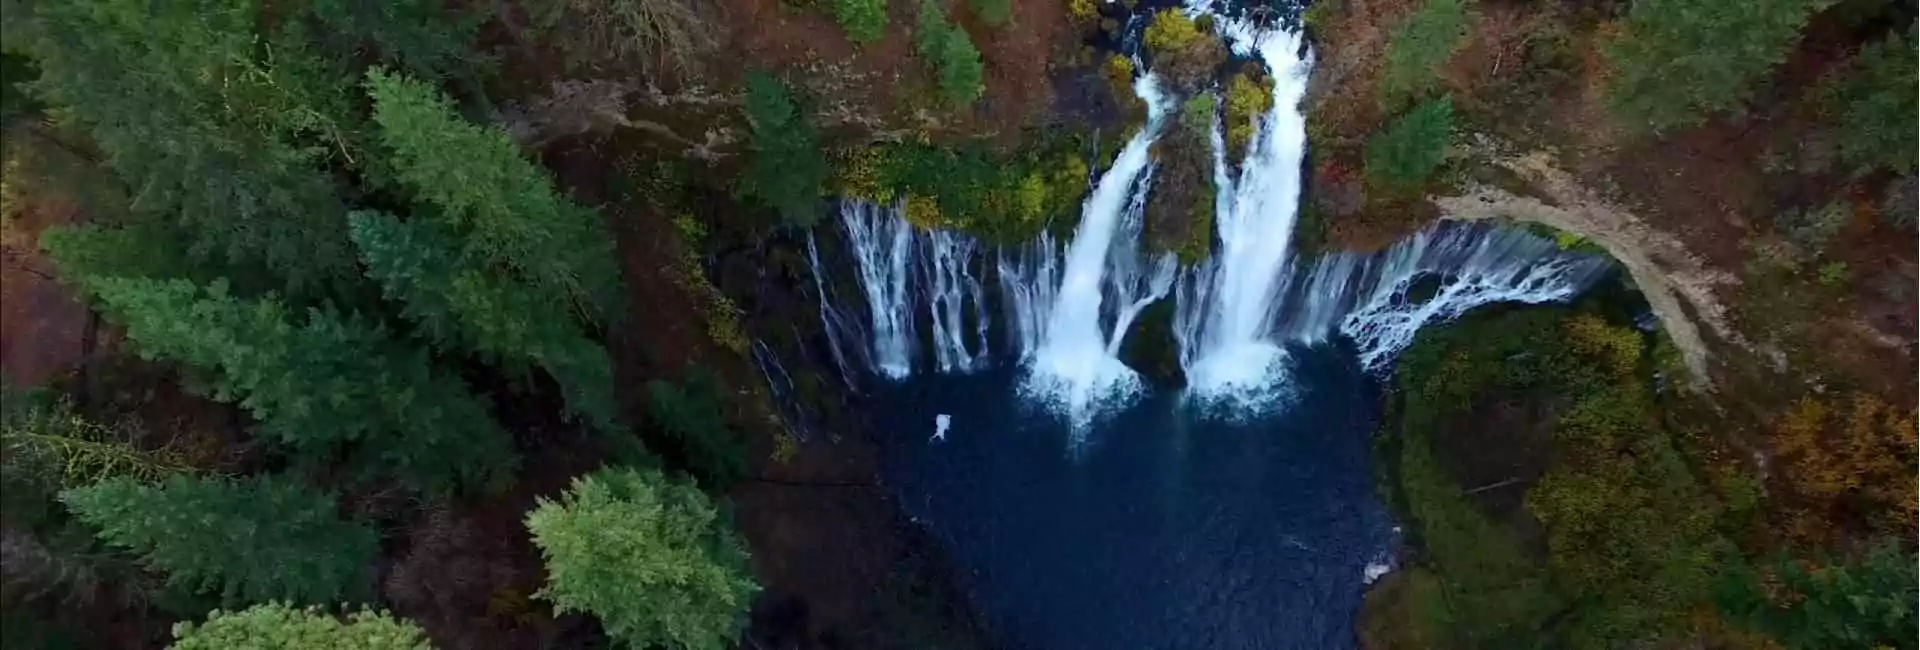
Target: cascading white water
x,y
1077,361
1374,302
1228,303
899,268
1067,306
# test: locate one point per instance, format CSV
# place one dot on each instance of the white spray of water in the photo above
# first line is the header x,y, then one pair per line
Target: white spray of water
x,y
1076,364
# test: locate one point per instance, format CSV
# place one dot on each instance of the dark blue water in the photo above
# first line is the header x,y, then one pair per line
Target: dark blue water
x,y
1164,529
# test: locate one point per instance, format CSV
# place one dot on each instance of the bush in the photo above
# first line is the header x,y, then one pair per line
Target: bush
x,y
1419,47
1875,97
1197,113
994,12
865,21
787,169
1408,152
249,540
1172,31
277,626
1248,100
1677,61
648,556
956,63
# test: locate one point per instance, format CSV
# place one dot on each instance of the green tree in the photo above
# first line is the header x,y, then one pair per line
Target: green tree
x,y
429,39
648,555
250,540
1419,47
690,412
1677,61
457,302
504,206
317,386
956,62
1875,96
1411,148
224,130
787,170
864,20
1865,603
278,626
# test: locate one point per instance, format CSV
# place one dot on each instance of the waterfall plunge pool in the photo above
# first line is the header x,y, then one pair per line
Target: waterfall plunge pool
x,y
1161,527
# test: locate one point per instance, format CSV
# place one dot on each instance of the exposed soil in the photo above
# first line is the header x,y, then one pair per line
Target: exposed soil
x,y
43,325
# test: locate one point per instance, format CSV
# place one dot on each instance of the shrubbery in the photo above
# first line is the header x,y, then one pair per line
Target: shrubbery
x,y
1410,149
865,21
1874,95
993,12
647,555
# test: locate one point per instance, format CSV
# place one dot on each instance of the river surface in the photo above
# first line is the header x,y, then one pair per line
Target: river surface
x,y
1156,527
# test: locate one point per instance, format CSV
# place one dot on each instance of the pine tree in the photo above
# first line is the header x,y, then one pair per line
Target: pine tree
x,y
787,170
278,626
1677,61
648,556
214,126
503,206
320,384
1410,149
458,301
250,540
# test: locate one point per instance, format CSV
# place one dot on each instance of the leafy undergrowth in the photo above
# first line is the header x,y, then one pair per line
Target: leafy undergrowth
x,y
1631,529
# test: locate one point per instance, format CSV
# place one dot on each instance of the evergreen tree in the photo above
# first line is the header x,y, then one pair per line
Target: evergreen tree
x,y
1419,47
277,626
503,207
318,385
648,556
956,62
248,540
1677,61
1410,149
1875,96
213,125
787,170
458,301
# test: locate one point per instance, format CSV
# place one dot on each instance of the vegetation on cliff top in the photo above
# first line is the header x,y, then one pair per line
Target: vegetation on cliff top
x,y
1543,428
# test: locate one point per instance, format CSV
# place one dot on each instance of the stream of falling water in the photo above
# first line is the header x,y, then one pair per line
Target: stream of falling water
x,y
1064,308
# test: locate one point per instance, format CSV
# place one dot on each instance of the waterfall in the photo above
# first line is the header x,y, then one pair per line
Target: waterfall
x,y
1377,303
1066,306
1077,361
901,269
1228,304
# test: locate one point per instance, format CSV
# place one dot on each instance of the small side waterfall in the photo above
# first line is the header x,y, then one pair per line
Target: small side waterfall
x,y
904,272
1379,302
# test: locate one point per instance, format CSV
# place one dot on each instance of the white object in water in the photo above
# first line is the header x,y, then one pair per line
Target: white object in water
x,y
940,424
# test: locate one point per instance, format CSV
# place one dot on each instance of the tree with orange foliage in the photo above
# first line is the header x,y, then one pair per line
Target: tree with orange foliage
x,y
1850,460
